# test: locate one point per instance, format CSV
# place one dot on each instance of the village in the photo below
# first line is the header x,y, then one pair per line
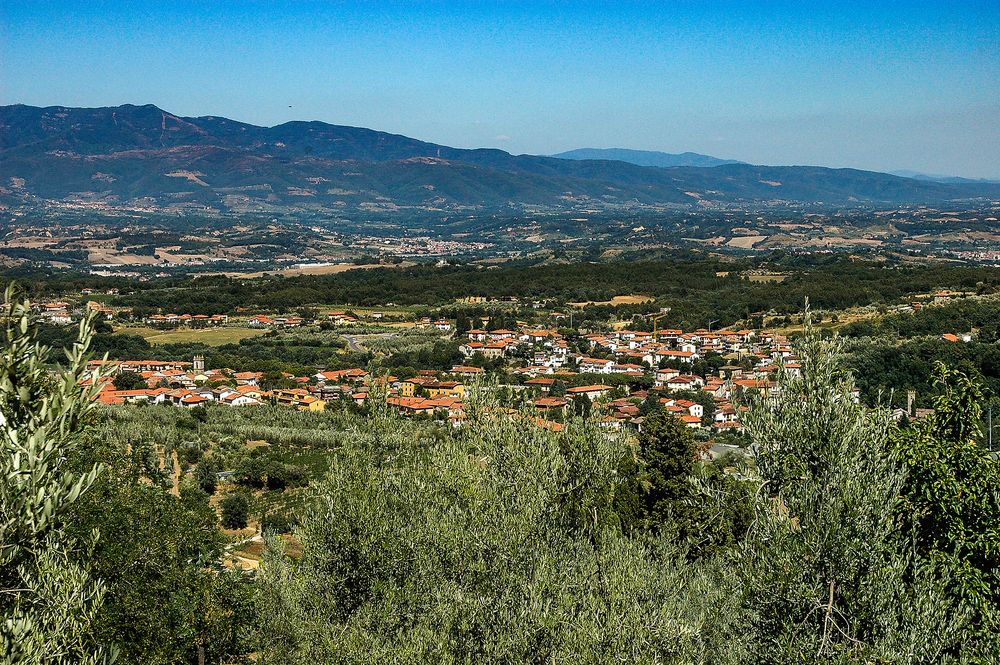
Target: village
x,y
616,373
547,368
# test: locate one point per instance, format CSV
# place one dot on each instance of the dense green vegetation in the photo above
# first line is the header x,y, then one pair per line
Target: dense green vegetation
x,y
887,370
50,596
957,316
897,352
687,283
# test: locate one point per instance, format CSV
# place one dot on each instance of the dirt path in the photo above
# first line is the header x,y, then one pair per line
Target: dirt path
x,y
175,474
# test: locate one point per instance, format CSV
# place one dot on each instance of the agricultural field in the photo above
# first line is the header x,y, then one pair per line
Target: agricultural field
x,y
632,299
208,336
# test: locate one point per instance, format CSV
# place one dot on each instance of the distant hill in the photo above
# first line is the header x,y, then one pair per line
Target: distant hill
x,y
145,157
646,157
951,179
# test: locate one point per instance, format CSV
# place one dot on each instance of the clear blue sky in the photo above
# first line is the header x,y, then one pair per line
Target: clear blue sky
x,y
879,85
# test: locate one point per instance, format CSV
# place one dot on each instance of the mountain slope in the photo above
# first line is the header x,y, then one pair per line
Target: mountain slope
x,y
143,156
646,157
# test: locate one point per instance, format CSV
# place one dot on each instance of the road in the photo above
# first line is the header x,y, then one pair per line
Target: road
x,y
353,344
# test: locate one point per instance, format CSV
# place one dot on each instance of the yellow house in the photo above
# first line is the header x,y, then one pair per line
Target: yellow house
x,y
445,389
312,404
409,387
299,399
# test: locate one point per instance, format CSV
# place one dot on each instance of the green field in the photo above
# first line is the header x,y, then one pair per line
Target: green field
x,y
210,336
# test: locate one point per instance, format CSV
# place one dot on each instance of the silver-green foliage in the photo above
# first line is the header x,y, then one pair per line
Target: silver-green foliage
x,y
496,545
47,600
404,340
824,575
500,544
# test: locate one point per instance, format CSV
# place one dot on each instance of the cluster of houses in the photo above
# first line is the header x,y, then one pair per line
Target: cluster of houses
x,y
667,356
549,370
62,313
56,312
264,321
193,320
190,384
184,384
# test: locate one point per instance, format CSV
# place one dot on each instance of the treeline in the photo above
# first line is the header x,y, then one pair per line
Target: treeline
x,y
273,352
689,284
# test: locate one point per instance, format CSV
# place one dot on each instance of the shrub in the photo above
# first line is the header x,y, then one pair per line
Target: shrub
x,y
235,511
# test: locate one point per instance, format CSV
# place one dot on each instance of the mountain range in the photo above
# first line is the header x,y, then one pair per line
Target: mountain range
x,y
646,157
935,177
142,156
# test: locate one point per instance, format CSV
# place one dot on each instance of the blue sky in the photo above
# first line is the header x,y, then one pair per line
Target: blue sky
x,y
879,85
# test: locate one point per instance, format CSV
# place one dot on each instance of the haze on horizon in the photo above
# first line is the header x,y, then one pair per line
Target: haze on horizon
x,y
880,86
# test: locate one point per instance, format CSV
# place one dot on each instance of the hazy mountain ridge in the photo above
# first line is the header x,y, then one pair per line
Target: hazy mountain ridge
x,y
142,155
935,177
647,157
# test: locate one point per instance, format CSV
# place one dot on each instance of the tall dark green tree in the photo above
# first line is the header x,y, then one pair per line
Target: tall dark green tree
x,y
129,381
235,511
952,502
666,454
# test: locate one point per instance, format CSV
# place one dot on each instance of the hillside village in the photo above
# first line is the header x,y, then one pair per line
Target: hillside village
x,y
617,372
548,377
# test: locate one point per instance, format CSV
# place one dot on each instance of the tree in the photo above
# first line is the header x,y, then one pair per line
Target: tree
x,y
666,455
129,381
824,570
49,598
205,475
235,511
952,504
495,544
308,313
156,553
582,406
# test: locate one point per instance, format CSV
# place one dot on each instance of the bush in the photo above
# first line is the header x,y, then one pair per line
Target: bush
x,y
278,523
205,475
235,511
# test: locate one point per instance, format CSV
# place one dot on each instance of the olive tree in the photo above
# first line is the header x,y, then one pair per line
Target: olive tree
x,y
48,598
498,543
824,574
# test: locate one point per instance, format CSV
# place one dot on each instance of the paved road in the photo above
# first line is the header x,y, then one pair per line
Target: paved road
x,y
353,345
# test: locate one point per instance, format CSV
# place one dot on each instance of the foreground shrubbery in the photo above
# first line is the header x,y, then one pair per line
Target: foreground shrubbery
x,y
507,543
849,540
